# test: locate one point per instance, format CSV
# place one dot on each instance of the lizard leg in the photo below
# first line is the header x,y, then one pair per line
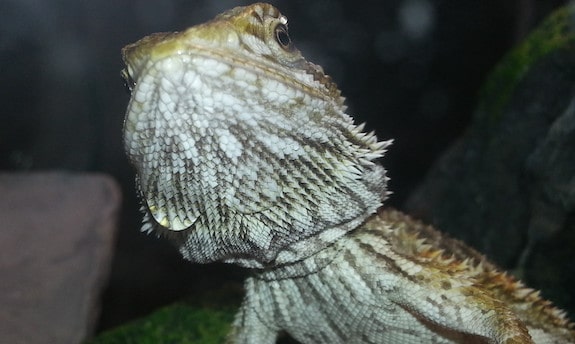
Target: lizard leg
x,y
248,326
446,307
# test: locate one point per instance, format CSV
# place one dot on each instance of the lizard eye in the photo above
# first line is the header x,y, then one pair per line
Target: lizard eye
x,y
282,36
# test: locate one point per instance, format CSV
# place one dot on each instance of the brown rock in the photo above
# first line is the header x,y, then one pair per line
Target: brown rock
x,y
56,240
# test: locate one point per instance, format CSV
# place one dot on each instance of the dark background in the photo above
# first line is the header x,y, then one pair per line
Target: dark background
x,y
411,69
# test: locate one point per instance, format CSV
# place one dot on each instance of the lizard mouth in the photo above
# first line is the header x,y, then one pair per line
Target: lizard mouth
x,y
142,58
243,38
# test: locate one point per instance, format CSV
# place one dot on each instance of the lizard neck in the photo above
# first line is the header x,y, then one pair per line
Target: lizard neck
x,y
285,246
305,265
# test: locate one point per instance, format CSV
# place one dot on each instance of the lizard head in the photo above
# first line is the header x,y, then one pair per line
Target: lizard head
x,y
242,148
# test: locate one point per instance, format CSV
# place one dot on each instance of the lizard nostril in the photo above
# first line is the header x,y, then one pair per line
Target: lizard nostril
x,y
129,83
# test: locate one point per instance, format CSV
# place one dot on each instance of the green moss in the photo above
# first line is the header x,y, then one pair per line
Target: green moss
x,y
176,324
555,33
206,321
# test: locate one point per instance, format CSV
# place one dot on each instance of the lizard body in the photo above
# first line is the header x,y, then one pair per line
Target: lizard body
x,y
244,154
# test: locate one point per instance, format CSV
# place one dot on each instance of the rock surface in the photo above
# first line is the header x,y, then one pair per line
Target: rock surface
x,y
507,187
56,239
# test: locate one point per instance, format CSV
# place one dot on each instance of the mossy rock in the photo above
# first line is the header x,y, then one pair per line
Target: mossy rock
x,y
199,322
555,33
513,165
179,323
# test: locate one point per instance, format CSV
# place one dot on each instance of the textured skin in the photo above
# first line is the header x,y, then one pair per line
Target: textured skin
x,y
244,154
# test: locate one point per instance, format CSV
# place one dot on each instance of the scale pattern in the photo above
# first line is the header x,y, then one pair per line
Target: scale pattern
x,y
245,154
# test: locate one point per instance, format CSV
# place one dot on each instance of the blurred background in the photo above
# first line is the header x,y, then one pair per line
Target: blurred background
x,y
411,69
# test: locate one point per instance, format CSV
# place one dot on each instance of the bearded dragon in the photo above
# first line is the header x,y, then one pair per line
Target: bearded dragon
x,y
245,154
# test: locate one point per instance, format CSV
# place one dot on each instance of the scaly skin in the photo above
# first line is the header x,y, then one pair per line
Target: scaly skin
x,y
244,154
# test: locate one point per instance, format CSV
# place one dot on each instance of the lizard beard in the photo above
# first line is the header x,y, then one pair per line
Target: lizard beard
x,y
242,166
